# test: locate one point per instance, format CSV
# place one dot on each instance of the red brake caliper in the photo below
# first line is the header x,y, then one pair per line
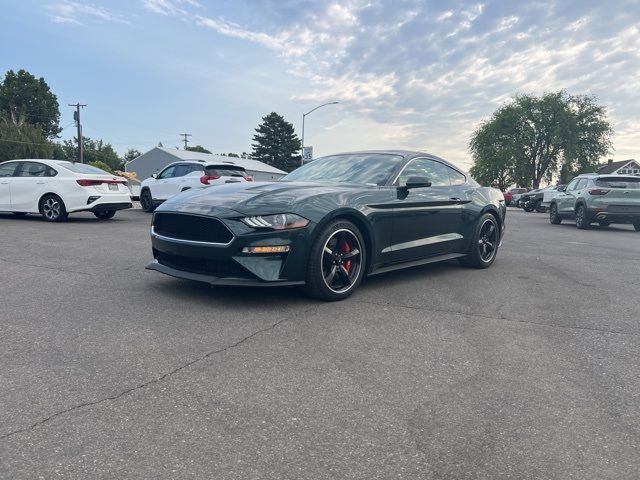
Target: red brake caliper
x,y
346,248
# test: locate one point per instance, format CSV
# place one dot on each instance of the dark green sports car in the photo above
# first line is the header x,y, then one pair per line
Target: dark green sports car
x,y
329,223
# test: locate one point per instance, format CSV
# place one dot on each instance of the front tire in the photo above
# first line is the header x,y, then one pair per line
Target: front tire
x,y
336,262
105,214
581,218
53,209
554,217
146,201
484,245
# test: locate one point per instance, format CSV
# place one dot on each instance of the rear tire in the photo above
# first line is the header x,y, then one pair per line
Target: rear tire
x,y
53,209
539,208
484,244
528,207
337,262
146,201
554,217
105,214
581,218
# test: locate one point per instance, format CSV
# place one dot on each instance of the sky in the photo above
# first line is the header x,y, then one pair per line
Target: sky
x,y
411,74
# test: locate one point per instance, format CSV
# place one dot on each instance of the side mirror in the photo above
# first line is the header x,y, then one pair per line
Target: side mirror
x,y
155,175
562,189
417,182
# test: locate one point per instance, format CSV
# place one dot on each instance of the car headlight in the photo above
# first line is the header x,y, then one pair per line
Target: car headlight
x,y
281,221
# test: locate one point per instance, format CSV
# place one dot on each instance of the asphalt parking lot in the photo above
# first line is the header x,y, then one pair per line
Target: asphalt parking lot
x,y
528,370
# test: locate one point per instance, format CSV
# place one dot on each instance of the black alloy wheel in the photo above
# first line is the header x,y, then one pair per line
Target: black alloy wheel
x,y
484,245
554,217
53,209
104,214
581,218
336,262
146,201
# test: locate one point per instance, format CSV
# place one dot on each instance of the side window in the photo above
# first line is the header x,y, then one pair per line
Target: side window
x,y
32,169
436,172
572,185
167,172
196,168
581,184
456,177
181,170
7,169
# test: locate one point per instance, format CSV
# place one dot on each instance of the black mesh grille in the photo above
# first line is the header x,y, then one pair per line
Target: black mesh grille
x,y
191,227
216,268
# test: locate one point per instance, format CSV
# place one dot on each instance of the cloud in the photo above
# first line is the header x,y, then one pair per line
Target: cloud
x,y
69,11
432,75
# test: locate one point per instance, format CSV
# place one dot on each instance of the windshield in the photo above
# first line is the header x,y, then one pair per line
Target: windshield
x,y
614,182
371,168
82,168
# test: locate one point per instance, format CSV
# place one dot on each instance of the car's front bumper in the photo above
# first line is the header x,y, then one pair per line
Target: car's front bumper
x,y
226,264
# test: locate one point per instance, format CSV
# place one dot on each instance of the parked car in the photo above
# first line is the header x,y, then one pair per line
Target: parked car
x,y
178,177
550,194
533,200
55,188
514,194
603,199
329,223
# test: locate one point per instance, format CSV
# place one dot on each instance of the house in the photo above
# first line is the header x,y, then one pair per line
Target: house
x,y
157,158
623,167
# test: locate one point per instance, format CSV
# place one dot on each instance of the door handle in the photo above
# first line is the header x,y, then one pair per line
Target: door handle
x,y
4,183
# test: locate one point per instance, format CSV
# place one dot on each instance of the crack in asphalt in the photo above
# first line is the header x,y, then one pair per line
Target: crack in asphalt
x,y
154,380
501,317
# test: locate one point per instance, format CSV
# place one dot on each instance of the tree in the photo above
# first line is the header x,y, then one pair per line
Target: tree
x,y
93,151
22,141
131,154
233,155
532,138
101,166
276,143
27,99
198,148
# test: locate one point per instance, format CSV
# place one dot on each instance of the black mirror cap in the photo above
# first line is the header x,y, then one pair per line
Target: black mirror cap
x,y
562,189
417,182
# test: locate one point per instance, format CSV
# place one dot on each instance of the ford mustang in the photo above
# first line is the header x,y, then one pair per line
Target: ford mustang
x,y
330,223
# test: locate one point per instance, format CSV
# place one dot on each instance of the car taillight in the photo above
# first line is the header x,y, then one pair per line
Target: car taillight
x,y
598,191
89,183
205,178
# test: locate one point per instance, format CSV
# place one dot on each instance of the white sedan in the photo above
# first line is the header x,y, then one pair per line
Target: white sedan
x,y
55,188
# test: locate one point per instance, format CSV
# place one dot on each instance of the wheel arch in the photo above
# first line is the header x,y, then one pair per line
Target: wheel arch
x,y
579,202
44,195
360,221
492,209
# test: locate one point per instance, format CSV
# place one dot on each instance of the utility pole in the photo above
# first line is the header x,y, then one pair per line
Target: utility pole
x,y
186,141
76,117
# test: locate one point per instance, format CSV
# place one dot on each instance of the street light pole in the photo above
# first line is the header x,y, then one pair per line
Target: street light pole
x,y
303,117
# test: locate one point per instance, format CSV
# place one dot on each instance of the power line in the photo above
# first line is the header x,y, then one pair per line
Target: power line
x,y
186,141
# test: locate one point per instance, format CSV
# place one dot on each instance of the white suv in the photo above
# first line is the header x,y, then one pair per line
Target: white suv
x,y
185,175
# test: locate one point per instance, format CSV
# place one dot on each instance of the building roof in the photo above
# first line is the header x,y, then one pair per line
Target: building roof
x,y
247,163
611,167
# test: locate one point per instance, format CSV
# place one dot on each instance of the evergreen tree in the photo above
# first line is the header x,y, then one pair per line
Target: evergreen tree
x,y
276,143
198,148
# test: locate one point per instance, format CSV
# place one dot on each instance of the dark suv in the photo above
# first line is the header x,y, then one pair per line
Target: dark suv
x,y
603,199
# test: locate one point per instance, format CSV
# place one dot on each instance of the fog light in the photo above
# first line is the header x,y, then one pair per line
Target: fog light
x,y
267,249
